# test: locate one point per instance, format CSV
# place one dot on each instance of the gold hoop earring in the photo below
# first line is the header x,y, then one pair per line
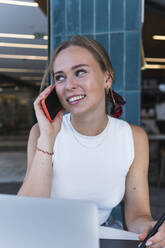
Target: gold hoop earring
x,y
107,90
113,99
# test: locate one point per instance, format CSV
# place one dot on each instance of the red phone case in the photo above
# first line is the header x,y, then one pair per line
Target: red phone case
x,y
44,107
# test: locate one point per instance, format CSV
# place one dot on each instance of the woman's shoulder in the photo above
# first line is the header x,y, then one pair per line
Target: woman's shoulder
x,y
119,124
140,136
138,131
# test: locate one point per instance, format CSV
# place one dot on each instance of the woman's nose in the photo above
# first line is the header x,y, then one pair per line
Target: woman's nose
x,y
71,83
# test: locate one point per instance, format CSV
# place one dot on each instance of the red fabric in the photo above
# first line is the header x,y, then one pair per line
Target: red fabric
x,y
116,110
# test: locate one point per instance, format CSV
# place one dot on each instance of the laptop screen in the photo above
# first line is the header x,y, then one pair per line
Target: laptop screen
x,y
39,222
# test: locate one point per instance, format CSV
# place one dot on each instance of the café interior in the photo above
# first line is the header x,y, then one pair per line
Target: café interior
x,y
23,60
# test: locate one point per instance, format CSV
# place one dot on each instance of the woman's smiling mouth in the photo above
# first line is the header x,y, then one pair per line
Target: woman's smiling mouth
x,y
75,99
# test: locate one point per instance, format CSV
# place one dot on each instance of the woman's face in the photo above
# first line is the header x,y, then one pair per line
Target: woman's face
x,y
80,83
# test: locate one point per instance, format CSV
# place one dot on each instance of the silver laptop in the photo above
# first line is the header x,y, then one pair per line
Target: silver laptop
x,y
27,222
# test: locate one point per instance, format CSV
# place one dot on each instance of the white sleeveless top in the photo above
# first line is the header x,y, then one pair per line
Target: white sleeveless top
x,y
93,168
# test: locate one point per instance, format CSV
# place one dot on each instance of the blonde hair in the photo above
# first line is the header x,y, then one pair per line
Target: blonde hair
x,y
97,50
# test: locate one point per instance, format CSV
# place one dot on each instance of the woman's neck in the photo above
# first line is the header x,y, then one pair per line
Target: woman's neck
x,y
91,125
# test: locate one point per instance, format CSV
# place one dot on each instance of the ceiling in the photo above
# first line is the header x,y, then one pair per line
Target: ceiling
x,y
19,19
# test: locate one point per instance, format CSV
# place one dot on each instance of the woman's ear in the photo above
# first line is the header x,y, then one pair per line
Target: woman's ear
x,y
108,80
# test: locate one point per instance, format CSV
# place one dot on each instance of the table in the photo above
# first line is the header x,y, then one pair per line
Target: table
x,y
117,243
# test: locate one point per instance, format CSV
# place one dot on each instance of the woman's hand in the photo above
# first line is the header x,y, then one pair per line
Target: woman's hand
x,y
47,129
156,241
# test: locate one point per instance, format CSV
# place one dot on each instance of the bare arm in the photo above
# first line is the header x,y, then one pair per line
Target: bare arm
x,y
38,177
137,206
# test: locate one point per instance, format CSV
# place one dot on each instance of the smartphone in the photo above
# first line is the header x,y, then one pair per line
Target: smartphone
x,y
51,104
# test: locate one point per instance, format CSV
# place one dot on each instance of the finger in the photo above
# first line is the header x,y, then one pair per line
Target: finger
x,y
149,243
139,244
61,112
38,107
160,244
44,92
142,236
157,241
40,97
160,235
47,88
37,103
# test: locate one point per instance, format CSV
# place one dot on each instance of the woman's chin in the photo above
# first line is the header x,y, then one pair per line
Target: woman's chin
x,y
77,112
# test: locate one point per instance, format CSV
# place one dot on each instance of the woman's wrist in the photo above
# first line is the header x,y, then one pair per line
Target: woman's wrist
x,y
44,152
45,144
141,224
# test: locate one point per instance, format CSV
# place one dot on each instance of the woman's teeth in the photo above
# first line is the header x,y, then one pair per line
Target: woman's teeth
x,y
75,98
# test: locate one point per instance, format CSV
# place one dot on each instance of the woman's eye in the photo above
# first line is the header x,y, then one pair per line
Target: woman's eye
x,y
80,72
59,78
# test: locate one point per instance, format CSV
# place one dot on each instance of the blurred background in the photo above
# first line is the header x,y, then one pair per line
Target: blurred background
x,y
23,59
24,50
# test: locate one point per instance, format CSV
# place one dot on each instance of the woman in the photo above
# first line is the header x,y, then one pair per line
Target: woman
x,y
95,157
